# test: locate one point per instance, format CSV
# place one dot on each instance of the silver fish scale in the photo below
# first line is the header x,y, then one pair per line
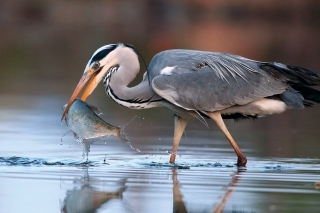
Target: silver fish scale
x,y
86,124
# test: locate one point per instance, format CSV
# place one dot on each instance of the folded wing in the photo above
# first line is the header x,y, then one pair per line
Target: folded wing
x,y
215,81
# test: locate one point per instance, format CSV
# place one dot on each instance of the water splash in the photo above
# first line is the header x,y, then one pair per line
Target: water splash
x,y
61,140
150,162
24,161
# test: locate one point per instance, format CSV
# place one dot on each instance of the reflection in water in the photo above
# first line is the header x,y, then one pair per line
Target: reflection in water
x,y
179,205
88,198
229,191
317,185
292,188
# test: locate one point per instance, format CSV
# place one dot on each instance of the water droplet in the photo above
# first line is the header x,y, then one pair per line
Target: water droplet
x,y
105,142
143,118
159,139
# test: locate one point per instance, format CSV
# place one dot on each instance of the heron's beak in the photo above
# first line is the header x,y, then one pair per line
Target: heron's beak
x,y
90,87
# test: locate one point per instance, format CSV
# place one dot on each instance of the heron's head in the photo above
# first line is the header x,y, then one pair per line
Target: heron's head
x,y
98,66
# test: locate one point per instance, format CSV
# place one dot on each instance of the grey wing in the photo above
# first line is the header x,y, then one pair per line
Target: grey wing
x,y
218,82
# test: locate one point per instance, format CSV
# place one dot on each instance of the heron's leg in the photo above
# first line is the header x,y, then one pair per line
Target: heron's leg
x,y
179,126
216,116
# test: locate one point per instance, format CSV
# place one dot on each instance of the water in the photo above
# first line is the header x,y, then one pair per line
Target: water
x,y
272,185
41,174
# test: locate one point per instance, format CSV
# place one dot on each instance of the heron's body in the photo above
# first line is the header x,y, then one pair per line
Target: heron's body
x,y
204,84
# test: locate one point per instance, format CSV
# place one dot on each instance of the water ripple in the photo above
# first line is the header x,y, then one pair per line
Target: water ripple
x,y
140,162
23,161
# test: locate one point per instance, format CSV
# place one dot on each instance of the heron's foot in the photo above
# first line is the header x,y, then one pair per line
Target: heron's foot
x,y
172,158
242,161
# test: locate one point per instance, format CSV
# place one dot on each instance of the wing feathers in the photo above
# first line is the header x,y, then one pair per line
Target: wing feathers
x,y
207,92
221,81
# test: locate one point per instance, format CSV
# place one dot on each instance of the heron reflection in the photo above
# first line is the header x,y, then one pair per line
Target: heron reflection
x,y
179,205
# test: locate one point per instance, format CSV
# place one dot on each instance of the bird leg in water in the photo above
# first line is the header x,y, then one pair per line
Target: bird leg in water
x,y
179,126
216,116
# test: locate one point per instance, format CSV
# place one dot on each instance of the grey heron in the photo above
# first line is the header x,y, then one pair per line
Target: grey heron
x,y
199,84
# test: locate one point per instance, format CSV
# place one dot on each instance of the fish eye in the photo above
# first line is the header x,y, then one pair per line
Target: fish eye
x,y
95,65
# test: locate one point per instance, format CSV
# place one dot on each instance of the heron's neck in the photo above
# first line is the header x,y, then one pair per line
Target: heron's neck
x,y
139,96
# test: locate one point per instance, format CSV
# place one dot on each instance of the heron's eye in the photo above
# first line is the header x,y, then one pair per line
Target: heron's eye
x,y
95,65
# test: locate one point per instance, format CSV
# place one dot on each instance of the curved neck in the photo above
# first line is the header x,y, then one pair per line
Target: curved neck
x,y
139,96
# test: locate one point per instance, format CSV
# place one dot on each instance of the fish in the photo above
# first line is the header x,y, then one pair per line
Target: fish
x,y
84,121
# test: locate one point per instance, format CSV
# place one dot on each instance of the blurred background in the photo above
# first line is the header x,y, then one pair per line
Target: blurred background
x,y
45,45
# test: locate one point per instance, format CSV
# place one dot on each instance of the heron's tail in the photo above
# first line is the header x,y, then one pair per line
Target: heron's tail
x,y
291,74
300,79
309,94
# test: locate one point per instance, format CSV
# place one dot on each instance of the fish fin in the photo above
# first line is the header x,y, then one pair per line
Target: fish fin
x,y
94,109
